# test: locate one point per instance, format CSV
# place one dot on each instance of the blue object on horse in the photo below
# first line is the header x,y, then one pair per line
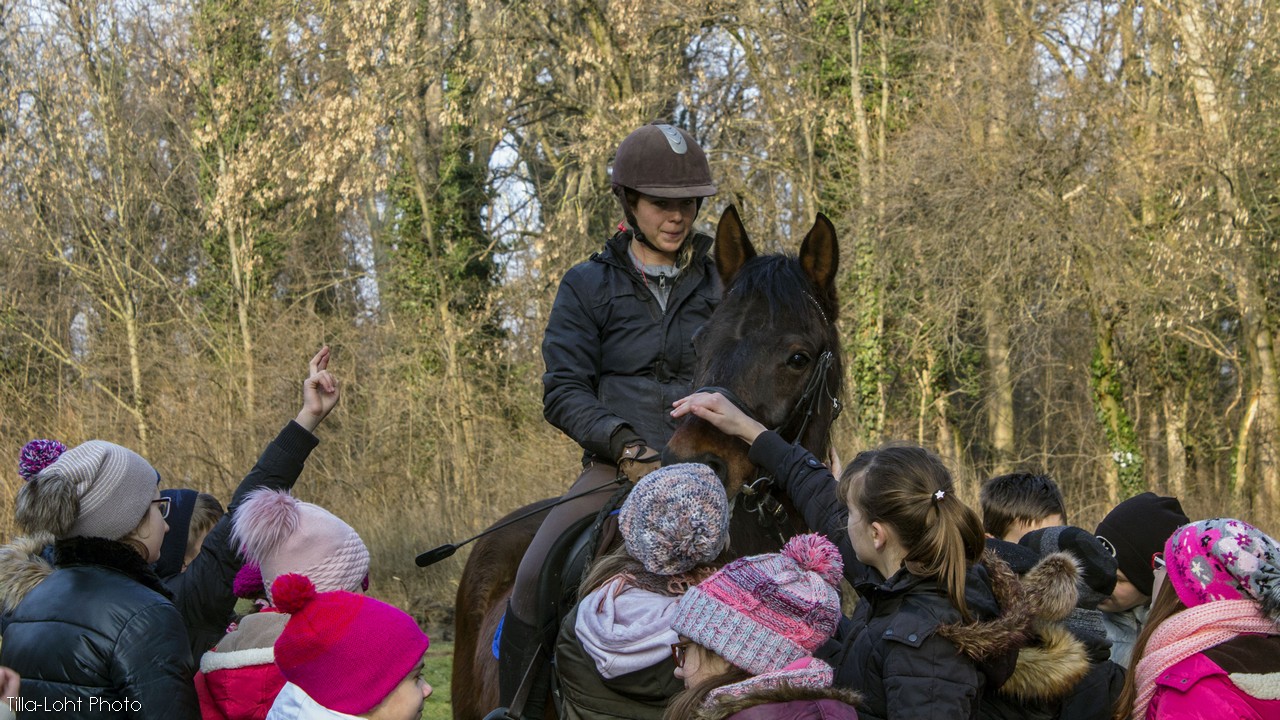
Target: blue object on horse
x,y
497,635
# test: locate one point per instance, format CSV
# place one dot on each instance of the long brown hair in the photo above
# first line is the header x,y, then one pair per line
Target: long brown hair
x,y
909,489
1165,605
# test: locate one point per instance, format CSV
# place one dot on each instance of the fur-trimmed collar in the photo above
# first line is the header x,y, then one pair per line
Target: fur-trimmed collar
x,y
983,639
111,554
729,706
23,565
1054,660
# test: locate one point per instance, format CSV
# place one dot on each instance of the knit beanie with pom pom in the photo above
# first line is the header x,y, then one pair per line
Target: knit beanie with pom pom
x,y
1224,559
675,519
765,612
345,650
282,534
96,489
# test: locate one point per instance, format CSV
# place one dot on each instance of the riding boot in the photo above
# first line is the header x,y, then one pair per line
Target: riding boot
x,y
518,648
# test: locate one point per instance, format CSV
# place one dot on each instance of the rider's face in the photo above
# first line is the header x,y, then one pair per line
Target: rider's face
x,y
665,222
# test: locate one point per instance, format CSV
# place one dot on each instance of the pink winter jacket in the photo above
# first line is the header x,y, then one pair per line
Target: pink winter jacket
x,y
1239,679
238,679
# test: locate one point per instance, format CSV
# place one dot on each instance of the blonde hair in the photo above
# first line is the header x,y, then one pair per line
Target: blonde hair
x,y
910,489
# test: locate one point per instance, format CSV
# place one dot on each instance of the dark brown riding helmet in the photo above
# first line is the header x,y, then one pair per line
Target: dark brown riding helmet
x,y
663,161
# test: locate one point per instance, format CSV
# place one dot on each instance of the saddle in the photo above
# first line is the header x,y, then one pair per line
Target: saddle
x,y
563,570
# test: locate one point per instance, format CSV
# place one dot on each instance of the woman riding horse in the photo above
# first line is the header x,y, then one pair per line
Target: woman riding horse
x,y
618,350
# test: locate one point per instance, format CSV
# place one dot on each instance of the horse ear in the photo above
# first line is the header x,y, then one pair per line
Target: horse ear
x,y
820,256
733,249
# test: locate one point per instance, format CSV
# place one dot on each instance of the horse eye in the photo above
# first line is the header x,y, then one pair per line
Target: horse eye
x,y
798,361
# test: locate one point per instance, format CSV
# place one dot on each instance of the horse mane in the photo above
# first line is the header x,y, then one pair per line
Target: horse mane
x,y
780,283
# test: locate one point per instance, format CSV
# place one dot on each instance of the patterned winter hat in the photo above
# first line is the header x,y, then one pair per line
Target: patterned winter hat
x,y
676,518
764,612
345,650
96,489
1136,529
1097,564
282,535
1224,559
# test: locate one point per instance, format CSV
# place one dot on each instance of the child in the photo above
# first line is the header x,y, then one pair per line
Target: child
x,y
100,625
612,656
191,516
1015,504
928,636
1211,646
749,632
238,679
1092,696
346,655
1134,531
203,591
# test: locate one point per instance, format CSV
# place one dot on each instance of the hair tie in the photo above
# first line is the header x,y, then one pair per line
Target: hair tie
x,y
938,496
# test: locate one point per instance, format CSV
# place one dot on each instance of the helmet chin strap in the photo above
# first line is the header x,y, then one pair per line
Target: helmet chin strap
x,y
635,226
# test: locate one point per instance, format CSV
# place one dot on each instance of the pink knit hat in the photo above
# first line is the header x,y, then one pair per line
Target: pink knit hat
x,y
282,535
764,612
346,651
1224,559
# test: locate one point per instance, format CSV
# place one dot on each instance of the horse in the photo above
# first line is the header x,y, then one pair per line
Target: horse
x,y
771,346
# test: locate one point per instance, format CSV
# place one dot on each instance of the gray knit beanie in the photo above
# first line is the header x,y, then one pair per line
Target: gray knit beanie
x,y
1097,564
96,489
676,517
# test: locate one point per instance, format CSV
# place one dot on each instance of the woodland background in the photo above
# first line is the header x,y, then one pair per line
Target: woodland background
x,y
1058,222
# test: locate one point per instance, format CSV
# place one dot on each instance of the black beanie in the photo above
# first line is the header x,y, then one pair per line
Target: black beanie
x,y
1097,565
1136,529
173,551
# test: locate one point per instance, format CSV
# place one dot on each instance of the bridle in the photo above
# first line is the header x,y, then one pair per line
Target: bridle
x,y
755,496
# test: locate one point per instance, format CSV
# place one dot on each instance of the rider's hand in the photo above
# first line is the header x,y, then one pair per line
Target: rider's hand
x,y
638,460
319,392
722,414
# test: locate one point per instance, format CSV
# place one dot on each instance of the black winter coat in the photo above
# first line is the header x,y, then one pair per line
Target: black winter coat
x,y
100,638
613,356
203,594
906,651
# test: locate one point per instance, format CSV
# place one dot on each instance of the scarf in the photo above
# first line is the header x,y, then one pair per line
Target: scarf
x,y
1192,631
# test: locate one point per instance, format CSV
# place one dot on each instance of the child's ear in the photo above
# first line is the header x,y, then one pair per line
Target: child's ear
x,y
879,535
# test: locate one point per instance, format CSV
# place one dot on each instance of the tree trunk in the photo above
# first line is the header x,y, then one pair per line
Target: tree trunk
x,y
1175,404
1194,27
999,391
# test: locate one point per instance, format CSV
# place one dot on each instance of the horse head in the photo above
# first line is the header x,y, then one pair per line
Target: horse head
x,y
771,347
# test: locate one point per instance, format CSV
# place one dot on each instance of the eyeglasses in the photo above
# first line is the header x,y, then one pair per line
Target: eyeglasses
x,y
1157,561
679,651
164,507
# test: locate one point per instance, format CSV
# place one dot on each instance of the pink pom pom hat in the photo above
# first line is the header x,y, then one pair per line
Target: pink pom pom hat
x,y
765,612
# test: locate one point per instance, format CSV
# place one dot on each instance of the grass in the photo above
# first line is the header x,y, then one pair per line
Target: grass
x,y
436,671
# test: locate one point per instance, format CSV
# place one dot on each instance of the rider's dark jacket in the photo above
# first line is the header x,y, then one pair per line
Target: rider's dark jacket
x,y
613,356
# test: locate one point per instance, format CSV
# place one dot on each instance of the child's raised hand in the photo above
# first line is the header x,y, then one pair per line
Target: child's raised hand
x,y
319,392
722,414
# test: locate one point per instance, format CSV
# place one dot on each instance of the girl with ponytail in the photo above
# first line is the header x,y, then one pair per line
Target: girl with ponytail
x,y
938,623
